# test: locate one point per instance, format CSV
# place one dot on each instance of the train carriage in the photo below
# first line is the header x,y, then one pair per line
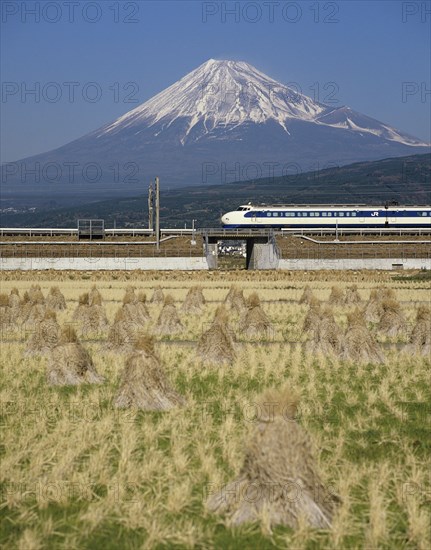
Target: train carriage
x,y
327,216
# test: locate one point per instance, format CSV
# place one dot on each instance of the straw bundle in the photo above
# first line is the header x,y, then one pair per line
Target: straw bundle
x,y
307,296
7,315
254,321
55,299
134,307
158,296
312,318
336,298
143,383
14,299
392,321
359,344
195,300
168,322
46,335
326,336
121,335
94,297
70,364
235,298
420,338
352,296
216,345
279,479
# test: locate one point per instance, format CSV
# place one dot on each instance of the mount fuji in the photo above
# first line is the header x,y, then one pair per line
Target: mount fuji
x,y
224,121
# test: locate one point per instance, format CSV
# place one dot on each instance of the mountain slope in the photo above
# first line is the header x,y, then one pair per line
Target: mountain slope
x,y
224,121
404,179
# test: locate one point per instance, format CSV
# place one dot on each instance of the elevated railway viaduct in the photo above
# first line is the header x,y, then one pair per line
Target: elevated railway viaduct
x,y
266,249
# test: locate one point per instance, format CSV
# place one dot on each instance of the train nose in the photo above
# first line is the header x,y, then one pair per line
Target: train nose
x,y
225,219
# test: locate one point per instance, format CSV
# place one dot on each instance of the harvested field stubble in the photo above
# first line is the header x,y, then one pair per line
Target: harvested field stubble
x,y
78,472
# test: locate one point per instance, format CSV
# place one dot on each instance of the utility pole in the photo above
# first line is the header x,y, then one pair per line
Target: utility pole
x,y
193,241
157,213
151,207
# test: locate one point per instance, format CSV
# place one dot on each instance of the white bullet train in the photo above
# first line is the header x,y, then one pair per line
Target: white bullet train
x,y
278,216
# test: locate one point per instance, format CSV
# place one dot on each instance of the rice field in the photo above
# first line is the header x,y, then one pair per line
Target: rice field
x,y
79,472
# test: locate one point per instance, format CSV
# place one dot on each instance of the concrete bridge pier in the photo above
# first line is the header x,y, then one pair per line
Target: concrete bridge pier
x,y
262,253
211,252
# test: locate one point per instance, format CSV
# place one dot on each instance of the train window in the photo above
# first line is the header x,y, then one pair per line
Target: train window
x,y
341,214
329,213
290,214
275,213
305,214
348,214
424,213
353,213
268,214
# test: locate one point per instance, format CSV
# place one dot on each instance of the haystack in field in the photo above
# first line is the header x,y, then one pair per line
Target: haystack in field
x,y
158,296
307,296
228,299
134,307
14,300
31,313
35,295
95,319
46,335
168,322
359,344
121,335
326,337
235,298
92,317
216,345
255,322
141,307
312,318
7,314
336,298
392,321
94,297
55,299
69,364
279,479
143,383
352,296
195,300
80,312
420,338
373,307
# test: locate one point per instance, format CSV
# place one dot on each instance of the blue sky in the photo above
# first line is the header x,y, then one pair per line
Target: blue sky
x,y
118,54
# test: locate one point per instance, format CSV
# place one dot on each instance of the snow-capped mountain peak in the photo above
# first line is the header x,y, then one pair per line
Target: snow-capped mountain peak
x,y
222,93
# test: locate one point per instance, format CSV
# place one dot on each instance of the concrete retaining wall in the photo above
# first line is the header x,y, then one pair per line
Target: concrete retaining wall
x,y
97,264
372,263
